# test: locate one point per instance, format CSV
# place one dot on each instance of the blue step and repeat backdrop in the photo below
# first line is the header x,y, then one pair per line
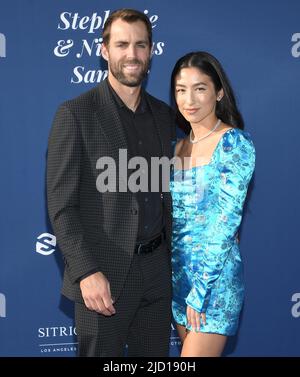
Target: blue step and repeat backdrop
x,y
50,52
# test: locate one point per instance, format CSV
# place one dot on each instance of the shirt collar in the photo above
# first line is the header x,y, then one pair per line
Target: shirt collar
x,y
142,107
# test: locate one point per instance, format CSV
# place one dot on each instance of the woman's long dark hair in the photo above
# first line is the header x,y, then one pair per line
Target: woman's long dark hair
x,y
226,108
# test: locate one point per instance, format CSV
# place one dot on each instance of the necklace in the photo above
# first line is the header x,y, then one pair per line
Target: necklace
x,y
205,136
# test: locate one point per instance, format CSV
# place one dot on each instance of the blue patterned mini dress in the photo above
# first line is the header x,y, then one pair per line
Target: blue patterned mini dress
x,y
207,270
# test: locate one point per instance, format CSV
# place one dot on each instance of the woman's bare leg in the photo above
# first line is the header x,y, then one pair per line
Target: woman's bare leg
x,y
203,344
181,330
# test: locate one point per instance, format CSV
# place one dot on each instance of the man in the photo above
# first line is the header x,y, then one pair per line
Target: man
x,y
116,245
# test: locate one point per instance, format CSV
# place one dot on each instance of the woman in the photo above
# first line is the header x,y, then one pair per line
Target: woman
x,y
212,170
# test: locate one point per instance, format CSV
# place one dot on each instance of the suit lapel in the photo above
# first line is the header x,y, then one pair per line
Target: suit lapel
x,y
111,126
109,118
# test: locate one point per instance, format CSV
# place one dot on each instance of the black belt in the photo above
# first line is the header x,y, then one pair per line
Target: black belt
x,y
143,248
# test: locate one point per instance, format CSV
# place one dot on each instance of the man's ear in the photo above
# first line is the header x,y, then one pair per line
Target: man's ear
x,y
104,52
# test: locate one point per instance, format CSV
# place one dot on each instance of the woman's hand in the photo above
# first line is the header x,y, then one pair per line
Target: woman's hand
x,y
195,318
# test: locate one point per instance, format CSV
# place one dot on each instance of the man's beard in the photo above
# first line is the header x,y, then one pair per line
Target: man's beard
x,y
131,80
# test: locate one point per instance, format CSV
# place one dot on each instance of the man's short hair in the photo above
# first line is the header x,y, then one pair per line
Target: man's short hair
x,y
127,15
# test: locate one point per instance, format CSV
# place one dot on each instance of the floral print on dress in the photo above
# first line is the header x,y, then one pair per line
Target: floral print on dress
x,y
208,203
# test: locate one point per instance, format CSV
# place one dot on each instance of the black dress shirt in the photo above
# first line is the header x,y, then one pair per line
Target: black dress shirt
x,y
143,141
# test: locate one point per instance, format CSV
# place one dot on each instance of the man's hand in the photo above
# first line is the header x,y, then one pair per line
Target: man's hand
x,y
95,290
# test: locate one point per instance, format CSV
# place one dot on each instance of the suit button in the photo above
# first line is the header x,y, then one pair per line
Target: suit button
x,y
134,211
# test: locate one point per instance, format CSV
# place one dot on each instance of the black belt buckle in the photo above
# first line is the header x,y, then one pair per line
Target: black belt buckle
x,y
138,250
148,247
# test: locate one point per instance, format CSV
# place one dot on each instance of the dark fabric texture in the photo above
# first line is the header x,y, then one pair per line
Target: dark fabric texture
x,y
96,231
142,139
143,313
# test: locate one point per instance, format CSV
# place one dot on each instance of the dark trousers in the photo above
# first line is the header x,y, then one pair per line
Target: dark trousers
x,y
143,313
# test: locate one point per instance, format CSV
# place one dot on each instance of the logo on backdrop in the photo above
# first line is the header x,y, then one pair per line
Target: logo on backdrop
x,y
296,47
57,339
2,306
2,46
296,307
90,45
46,244
174,339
